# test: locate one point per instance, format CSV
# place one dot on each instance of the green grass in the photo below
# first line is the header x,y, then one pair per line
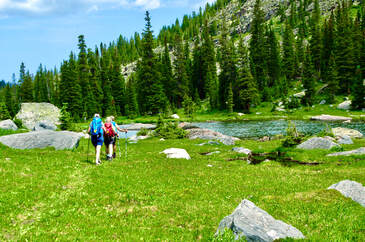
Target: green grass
x,y
58,195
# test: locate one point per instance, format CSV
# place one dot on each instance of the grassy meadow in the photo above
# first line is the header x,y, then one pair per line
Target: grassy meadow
x,y
60,195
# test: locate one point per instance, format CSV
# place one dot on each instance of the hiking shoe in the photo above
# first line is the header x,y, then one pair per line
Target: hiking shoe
x,y
98,163
114,155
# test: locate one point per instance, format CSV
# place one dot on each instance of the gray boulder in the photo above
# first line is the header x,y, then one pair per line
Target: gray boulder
x,y
351,189
44,125
346,105
42,139
8,125
32,113
344,140
207,134
360,151
174,153
325,117
255,224
352,133
242,150
317,143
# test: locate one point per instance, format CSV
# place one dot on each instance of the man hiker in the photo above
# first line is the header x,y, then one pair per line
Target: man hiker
x,y
97,139
110,137
118,129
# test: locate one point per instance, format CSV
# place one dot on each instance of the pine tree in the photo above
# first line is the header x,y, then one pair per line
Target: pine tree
x,y
245,91
327,46
273,60
118,86
331,80
151,96
315,41
308,79
26,89
166,75
132,105
358,102
180,73
230,103
95,80
257,47
4,114
108,104
9,100
288,53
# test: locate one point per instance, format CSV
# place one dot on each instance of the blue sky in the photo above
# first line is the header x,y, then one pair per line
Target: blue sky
x,y
45,31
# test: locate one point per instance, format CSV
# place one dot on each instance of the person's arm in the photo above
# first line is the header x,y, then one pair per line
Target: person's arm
x,y
88,131
121,130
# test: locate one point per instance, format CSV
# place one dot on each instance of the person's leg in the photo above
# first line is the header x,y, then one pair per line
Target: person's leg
x,y
97,151
110,151
114,149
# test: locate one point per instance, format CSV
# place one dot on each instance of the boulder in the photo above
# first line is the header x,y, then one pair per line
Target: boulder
x,y
136,138
207,134
8,125
242,150
213,153
322,102
42,139
280,109
344,140
351,189
360,151
175,116
32,113
325,117
138,126
174,153
185,125
240,114
209,143
346,105
317,143
255,224
44,125
300,94
352,133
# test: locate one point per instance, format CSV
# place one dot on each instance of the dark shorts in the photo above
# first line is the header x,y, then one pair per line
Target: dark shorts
x,y
109,140
95,140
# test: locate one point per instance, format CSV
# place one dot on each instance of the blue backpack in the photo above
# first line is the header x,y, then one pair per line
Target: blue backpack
x,y
96,127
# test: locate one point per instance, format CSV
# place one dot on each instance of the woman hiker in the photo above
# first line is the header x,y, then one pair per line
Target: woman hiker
x,y
96,129
110,137
118,129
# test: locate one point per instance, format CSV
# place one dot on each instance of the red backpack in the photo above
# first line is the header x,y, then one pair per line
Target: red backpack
x,y
109,131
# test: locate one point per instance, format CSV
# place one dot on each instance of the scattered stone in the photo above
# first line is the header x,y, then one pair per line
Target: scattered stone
x,y
32,113
325,117
242,150
280,109
352,133
360,151
44,125
136,138
344,140
346,105
317,143
258,113
351,189
255,224
347,122
240,114
213,153
162,139
42,139
331,105
207,134
8,125
8,159
265,139
323,102
300,94
175,116
185,126
175,153
210,165
138,126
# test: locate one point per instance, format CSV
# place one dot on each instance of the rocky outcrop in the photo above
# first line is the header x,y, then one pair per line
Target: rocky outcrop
x,y
42,139
317,143
175,116
241,150
346,105
325,117
138,126
255,224
174,153
352,133
32,113
44,125
8,125
344,140
207,134
351,189
360,151
185,125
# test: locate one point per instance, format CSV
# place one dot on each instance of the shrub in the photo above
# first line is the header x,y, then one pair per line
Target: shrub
x,y
292,102
169,130
65,119
18,123
143,132
293,137
4,114
326,132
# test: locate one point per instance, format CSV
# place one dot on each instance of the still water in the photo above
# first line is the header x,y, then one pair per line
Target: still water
x,y
256,129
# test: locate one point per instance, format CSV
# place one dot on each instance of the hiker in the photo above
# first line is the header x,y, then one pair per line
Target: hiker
x,y
118,129
110,137
97,139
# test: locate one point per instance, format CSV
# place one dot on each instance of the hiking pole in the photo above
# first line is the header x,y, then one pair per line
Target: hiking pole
x,y
88,146
120,154
126,145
